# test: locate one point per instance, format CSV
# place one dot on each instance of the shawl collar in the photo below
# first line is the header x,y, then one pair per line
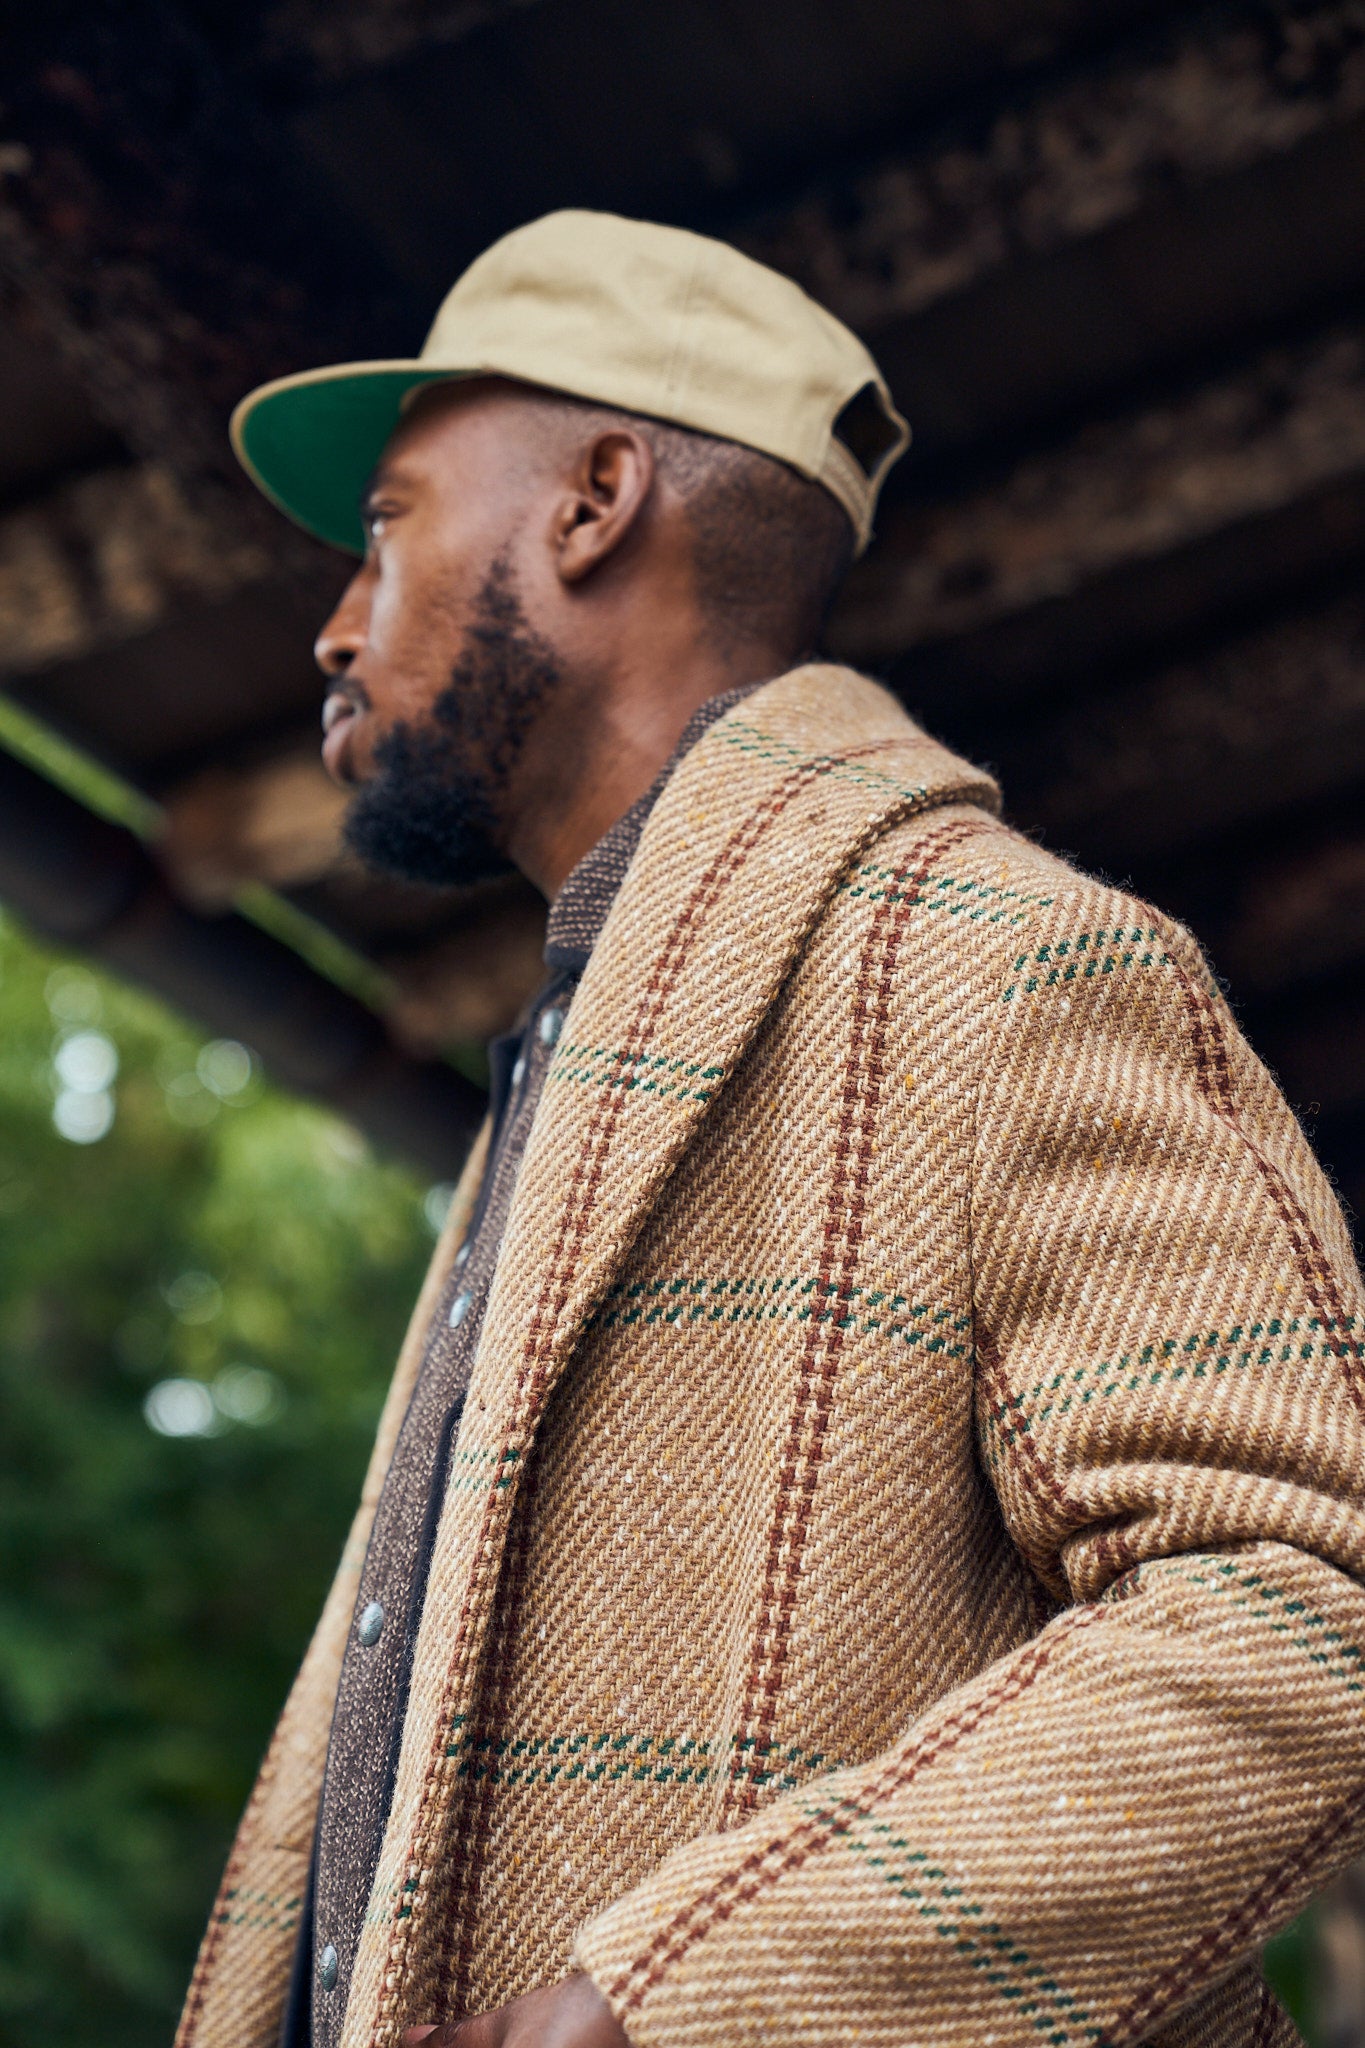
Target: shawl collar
x,y
739,856
741,852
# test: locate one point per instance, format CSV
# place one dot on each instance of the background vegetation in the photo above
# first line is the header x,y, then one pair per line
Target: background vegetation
x,y
202,1288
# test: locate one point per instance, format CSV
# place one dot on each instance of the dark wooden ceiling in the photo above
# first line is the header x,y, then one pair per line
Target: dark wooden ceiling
x,y
1111,255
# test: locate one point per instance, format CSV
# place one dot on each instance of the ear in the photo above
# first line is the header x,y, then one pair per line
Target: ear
x,y
609,485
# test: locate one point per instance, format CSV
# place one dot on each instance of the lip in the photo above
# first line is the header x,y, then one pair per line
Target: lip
x,y
339,716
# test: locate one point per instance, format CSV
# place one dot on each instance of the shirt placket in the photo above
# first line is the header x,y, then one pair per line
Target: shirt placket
x,y
372,1694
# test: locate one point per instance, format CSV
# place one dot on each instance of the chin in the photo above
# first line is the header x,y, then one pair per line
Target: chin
x,y
439,842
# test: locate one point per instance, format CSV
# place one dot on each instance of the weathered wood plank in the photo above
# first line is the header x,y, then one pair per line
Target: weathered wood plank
x,y
151,217
1119,493
1208,96
104,556
1263,722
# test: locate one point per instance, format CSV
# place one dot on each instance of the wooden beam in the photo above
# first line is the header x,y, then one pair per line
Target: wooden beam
x,y
121,145
1119,496
711,99
1271,719
105,556
85,883
47,430
1196,102
151,216
277,821
335,39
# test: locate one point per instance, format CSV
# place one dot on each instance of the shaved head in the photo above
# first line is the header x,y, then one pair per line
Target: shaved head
x,y
770,548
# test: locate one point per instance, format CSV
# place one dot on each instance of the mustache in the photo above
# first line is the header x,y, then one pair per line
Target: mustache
x,y
352,689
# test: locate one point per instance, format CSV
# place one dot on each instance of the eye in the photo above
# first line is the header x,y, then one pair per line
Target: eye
x,y
376,520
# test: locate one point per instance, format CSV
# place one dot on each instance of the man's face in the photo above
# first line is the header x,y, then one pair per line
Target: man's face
x,y
436,675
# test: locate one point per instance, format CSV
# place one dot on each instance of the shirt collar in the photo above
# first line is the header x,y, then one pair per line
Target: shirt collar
x,y
579,911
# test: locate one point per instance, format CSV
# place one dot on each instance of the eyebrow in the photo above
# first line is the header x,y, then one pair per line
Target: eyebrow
x,y
380,479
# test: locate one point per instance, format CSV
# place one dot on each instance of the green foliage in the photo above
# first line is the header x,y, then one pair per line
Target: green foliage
x,y
1288,1964
231,1263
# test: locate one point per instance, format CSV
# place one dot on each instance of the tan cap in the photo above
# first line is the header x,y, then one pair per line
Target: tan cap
x,y
642,318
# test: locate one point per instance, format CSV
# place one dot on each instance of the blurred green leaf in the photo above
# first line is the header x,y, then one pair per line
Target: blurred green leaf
x,y
1288,1967
158,1590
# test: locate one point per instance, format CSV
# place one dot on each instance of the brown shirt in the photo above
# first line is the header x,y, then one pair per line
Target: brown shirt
x,y
372,1694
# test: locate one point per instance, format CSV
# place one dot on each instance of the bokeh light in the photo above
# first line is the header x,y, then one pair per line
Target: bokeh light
x,y
193,1297
225,1068
246,1393
83,1119
181,1408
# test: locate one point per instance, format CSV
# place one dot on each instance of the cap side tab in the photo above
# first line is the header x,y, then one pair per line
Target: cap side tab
x,y
865,429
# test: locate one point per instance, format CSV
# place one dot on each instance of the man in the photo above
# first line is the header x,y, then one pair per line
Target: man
x,y
866,1538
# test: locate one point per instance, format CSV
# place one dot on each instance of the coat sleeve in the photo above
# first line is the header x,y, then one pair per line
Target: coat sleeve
x,y
1170,1388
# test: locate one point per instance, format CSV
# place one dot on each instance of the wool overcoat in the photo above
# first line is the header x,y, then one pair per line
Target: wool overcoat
x,y
899,1578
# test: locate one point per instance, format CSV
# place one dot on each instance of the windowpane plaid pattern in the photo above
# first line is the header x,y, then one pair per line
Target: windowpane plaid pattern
x,y
901,1574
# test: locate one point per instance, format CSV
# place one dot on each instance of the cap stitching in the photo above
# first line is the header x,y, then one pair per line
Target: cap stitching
x,y
840,474
671,378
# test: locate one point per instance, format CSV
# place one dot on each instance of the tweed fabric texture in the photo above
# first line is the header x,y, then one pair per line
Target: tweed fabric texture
x,y
913,1591
366,1722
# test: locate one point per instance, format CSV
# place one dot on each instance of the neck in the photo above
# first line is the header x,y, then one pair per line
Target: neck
x,y
601,746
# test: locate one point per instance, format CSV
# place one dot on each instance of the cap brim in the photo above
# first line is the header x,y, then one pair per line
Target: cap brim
x,y
311,441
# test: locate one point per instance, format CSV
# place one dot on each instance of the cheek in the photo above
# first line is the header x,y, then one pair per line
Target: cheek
x,y
415,630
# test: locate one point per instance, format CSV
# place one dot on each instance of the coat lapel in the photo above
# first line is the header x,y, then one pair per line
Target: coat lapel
x,y
740,854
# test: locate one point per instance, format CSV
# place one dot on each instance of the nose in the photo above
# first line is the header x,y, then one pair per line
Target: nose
x,y
343,636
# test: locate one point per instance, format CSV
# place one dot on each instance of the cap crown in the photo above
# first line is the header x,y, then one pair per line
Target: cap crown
x,y
677,326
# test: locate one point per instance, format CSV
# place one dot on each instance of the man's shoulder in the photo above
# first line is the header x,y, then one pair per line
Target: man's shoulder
x,y
998,908
977,885
823,722
855,804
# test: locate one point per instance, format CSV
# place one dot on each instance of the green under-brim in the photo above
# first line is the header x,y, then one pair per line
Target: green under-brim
x,y
311,442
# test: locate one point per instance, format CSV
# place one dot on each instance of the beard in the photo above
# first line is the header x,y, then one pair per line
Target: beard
x,y
430,812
